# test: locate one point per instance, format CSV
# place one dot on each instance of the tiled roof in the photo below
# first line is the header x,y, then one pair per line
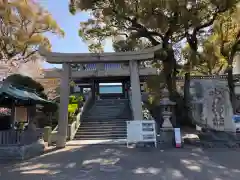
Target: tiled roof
x,y
19,93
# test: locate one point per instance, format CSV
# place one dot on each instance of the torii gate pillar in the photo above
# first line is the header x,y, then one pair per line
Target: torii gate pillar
x,y
63,109
136,91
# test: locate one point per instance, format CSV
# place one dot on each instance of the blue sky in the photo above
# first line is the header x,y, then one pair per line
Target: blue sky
x,y
70,24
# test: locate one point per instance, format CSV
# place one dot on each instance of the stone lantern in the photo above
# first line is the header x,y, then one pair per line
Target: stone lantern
x,y
167,109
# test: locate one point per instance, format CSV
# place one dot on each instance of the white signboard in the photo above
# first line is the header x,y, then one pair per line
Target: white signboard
x,y
178,140
236,120
141,131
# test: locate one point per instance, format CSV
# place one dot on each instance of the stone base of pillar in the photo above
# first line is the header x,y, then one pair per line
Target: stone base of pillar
x,y
61,141
165,138
198,128
167,123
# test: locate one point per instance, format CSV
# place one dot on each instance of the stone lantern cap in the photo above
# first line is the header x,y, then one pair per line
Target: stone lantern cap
x,y
165,101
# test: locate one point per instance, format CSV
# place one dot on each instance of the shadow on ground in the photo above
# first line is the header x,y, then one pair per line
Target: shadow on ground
x,y
115,162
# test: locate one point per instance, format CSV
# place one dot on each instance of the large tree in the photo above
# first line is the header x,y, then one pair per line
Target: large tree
x,y
23,28
220,48
226,33
151,21
207,61
156,21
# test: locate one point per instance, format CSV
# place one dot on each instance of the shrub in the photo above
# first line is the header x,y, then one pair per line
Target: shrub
x,y
73,106
71,118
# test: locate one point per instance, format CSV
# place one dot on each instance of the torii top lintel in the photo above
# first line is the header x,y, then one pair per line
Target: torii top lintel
x,y
59,58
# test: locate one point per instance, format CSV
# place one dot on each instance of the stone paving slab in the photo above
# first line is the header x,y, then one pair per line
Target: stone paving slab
x,y
116,162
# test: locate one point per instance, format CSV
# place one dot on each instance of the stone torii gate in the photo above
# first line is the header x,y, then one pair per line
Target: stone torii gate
x,y
132,58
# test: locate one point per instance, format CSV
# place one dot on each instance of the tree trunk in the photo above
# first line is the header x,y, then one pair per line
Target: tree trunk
x,y
231,86
169,68
186,87
186,98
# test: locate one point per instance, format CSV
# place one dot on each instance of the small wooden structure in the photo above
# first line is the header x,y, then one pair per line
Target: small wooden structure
x,y
22,103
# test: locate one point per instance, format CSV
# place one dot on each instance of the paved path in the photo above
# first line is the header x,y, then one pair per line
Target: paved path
x,y
112,162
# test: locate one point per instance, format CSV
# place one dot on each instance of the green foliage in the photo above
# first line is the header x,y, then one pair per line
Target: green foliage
x,y
22,29
151,20
74,99
73,107
211,59
219,48
226,35
134,25
154,86
71,118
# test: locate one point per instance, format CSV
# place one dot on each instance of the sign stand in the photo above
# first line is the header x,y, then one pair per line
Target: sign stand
x,y
178,139
236,121
141,131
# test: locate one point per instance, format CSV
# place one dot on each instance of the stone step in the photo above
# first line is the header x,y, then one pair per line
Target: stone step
x,y
99,137
92,124
106,118
102,106
101,133
104,113
110,122
116,101
105,110
108,108
117,111
99,124
105,127
110,104
113,99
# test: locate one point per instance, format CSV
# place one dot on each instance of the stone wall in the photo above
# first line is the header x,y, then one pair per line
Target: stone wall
x,y
20,152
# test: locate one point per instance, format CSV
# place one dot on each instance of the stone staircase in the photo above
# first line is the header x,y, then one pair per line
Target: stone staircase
x,y
106,119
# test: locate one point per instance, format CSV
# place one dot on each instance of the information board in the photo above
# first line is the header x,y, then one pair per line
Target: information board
x,y
141,131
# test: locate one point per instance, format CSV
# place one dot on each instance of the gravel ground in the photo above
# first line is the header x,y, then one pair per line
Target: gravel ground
x,y
115,162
